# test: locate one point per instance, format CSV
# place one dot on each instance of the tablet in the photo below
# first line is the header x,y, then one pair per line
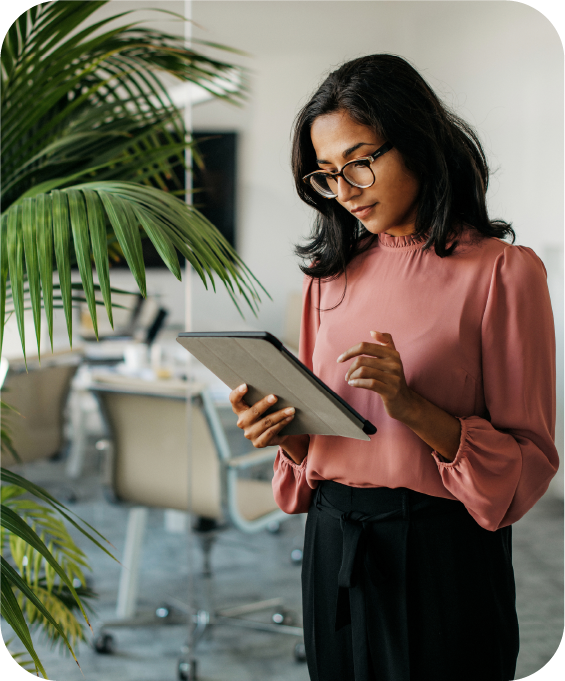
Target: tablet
x,y
261,361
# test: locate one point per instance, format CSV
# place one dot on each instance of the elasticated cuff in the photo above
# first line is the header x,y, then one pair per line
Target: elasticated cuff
x,y
285,458
443,463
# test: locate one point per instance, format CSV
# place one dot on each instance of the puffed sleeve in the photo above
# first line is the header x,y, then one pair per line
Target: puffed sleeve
x,y
505,461
290,487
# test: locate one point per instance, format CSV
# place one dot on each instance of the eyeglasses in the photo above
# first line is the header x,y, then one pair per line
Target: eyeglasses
x,y
357,173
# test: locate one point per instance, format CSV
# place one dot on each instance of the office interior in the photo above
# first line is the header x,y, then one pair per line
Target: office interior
x,y
107,429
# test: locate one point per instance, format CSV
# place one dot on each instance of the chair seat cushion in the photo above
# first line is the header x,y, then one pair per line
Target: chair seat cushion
x,y
255,498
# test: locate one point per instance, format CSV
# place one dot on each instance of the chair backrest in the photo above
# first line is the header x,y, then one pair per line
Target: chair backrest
x,y
39,395
150,463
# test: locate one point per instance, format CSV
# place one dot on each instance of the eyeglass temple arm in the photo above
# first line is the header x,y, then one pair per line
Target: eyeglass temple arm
x,y
387,146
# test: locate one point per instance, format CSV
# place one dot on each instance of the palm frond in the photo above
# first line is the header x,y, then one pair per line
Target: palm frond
x,y
40,577
78,217
40,566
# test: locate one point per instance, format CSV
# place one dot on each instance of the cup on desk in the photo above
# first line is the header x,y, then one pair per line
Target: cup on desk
x,y
158,365
135,357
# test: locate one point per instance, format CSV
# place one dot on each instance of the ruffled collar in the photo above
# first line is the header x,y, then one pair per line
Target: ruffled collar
x,y
408,242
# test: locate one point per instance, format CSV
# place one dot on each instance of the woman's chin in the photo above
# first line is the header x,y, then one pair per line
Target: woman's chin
x,y
374,226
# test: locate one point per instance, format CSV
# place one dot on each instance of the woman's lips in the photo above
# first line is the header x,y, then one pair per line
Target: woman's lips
x,y
364,211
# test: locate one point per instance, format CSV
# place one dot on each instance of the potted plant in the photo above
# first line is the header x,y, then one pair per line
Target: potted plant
x,y
90,137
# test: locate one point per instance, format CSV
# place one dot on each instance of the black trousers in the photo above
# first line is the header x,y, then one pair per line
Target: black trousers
x,y
402,586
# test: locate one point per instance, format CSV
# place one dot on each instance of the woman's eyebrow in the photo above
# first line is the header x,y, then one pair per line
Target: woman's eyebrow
x,y
349,151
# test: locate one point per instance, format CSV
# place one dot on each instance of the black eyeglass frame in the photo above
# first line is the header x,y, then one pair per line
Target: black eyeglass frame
x,y
387,146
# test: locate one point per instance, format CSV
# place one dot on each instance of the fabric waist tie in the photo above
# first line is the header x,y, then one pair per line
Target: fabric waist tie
x,y
353,524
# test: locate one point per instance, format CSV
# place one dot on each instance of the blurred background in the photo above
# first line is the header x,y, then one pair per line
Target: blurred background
x,y
499,65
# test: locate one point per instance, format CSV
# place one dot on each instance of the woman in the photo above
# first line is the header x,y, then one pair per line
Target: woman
x,y
441,334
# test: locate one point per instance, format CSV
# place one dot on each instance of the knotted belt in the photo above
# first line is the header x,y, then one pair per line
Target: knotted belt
x,y
353,525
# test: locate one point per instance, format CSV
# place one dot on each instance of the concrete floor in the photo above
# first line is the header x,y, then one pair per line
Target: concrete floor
x,y
249,568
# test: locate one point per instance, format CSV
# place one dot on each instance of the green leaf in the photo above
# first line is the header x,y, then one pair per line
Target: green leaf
x,y
32,266
11,478
3,273
10,578
99,247
15,261
12,613
61,237
81,239
128,236
13,523
45,256
158,237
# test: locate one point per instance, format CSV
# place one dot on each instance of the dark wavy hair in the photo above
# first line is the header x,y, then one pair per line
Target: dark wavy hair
x,y
386,93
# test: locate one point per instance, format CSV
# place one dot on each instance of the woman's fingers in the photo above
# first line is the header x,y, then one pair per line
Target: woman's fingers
x,y
384,347
254,431
253,414
364,366
373,384
269,435
248,413
368,349
259,429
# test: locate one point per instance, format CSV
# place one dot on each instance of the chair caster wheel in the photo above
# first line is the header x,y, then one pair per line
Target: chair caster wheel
x,y
105,644
164,611
300,652
187,670
282,617
296,556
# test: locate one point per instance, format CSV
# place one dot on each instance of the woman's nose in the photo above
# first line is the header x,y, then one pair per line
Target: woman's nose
x,y
345,191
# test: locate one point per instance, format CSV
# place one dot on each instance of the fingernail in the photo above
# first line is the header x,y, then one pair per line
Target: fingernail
x,y
340,358
289,418
352,382
242,388
290,410
271,399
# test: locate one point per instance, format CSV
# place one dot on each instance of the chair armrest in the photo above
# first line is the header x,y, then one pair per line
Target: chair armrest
x,y
252,459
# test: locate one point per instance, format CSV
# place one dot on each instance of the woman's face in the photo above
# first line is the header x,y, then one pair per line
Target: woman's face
x,y
390,204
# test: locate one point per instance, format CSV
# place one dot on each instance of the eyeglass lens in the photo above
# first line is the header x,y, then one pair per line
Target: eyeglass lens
x,y
358,174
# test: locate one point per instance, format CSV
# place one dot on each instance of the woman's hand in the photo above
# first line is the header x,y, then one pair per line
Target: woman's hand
x,y
263,431
378,367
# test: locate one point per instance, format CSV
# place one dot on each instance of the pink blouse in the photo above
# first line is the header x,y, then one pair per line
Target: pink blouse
x,y
475,334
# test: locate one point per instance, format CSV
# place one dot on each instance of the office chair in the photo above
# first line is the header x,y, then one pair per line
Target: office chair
x,y
147,465
39,393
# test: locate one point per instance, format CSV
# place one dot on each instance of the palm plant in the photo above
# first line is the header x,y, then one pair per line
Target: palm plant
x,y
90,138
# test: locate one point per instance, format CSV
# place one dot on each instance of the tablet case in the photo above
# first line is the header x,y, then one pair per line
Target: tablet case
x,y
262,362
